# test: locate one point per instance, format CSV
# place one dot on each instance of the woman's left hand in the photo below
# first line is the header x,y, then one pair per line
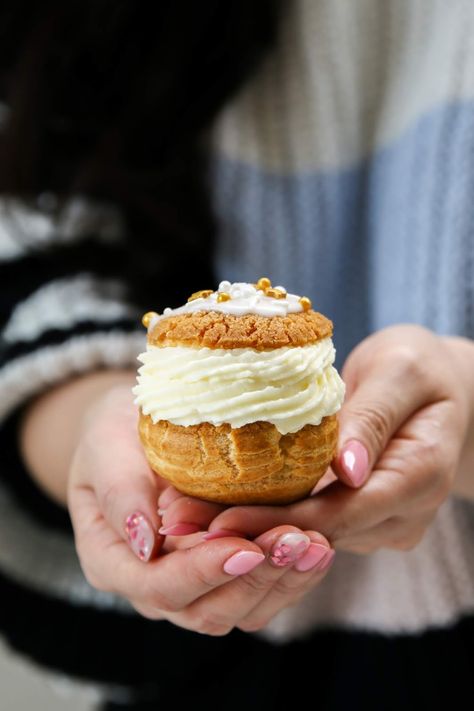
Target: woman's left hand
x,y
407,417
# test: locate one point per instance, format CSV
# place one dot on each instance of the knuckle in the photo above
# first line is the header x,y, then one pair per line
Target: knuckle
x,y
203,580
375,419
407,543
253,624
159,601
253,584
148,612
95,580
407,362
434,469
287,588
213,624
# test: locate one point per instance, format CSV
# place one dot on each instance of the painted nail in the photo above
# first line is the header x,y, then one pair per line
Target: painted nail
x,y
140,535
355,461
327,560
289,548
179,529
222,533
314,555
243,562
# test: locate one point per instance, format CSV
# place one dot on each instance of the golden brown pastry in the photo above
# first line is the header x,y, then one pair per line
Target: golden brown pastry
x,y
238,395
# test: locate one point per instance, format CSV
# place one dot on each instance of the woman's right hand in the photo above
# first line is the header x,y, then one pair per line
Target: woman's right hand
x,y
209,586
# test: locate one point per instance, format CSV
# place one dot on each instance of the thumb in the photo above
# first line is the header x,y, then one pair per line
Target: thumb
x,y
128,499
375,410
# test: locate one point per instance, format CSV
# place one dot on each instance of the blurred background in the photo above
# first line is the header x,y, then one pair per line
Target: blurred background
x,y
24,686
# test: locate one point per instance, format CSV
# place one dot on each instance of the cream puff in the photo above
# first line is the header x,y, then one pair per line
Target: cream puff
x,y
238,395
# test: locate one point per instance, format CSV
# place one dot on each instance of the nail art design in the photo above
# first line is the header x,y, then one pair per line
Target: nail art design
x,y
289,548
140,535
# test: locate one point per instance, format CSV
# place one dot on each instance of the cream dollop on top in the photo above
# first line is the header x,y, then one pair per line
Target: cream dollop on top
x,y
244,299
289,387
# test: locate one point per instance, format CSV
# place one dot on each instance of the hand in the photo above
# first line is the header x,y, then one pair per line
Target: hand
x,y
209,586
402,428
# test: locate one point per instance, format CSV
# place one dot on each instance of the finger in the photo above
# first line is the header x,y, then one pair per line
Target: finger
x,y
304,575
411,476
126,490
223,608
167,496
168,583
379,403
186,515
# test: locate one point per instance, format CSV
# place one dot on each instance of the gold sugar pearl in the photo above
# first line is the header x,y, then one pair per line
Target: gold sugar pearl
x,y
263,283
223,296
146,318
203,294
305,303
275,293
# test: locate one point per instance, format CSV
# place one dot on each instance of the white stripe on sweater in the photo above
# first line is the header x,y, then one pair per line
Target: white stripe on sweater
x,y
31,374
65,302
348,77
24,227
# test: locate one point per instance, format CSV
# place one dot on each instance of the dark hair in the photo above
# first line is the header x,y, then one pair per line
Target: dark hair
x,y
112,99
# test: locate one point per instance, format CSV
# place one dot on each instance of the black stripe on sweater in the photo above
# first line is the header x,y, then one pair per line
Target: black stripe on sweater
x,y
155,279
56,336
329,670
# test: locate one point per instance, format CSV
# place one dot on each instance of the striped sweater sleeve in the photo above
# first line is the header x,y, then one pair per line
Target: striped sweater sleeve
x,y
63,308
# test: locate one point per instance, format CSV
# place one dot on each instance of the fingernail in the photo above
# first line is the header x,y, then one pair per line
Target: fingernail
x,y
140,535
221,533
243,562
179,529
327,560
161,512
355,461
289,548
314,555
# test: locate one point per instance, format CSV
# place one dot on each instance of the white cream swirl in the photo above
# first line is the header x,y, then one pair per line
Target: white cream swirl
x,y
289,387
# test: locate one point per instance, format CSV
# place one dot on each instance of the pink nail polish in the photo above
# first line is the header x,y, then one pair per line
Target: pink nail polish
x,y
289,548
222,533
314,555
179,529
327,560
243,562
355,461
140,535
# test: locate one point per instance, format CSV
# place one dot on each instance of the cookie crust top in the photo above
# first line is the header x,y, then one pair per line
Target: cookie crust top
x,y
211,329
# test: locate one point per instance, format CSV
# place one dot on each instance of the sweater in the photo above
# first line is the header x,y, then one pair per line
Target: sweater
x,y
344,170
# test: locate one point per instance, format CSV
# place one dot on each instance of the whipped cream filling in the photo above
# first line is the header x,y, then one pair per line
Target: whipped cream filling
x,y
244,299
289,387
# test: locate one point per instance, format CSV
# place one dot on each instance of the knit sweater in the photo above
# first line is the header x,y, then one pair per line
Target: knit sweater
x,y
344,170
